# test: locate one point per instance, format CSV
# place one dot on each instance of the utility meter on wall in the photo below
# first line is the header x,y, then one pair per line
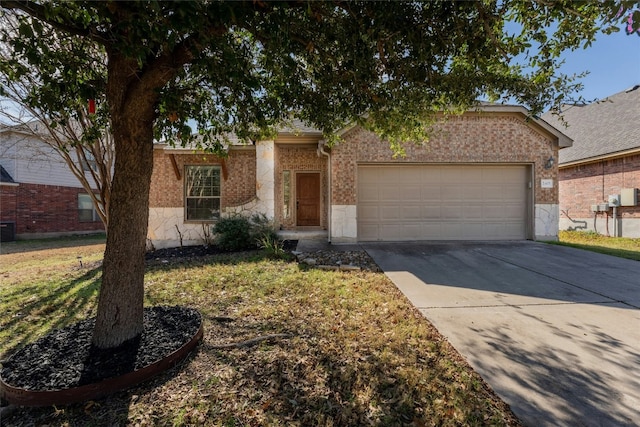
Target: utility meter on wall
x,y
614,200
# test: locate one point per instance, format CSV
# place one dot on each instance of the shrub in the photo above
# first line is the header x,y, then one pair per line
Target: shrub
x,y
233,234
238,232
262,228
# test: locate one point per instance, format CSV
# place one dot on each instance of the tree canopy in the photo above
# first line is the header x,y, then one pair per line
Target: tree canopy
x,y
243,67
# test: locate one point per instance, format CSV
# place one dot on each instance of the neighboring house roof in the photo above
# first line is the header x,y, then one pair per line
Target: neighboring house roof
x,y
5,178
606,128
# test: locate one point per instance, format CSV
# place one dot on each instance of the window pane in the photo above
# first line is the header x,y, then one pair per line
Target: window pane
x,y
203,181
202,193
286,190
203,209
84,202
86,211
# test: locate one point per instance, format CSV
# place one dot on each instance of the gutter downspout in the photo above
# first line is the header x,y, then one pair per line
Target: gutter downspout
x,y
321,151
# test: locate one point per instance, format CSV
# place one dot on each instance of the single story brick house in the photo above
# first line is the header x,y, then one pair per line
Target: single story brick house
x,y
488,174
599,176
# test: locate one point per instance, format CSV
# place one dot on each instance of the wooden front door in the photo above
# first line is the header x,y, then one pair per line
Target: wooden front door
x,y
308,199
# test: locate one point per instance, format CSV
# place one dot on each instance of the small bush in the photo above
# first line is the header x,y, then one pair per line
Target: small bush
x,y
262,228
233,234
238,232
274,247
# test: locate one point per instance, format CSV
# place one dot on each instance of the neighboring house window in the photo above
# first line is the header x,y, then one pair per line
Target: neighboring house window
x,y
202,193
90,164
86,210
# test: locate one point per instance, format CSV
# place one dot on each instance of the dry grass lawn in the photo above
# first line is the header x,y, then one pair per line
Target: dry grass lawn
x,y
356,352
622,247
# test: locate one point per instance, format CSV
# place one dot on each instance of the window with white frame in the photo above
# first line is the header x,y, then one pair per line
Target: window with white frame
x,y
202,193
86,209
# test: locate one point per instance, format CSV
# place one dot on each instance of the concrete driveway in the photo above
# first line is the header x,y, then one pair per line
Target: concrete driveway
x,y
555,331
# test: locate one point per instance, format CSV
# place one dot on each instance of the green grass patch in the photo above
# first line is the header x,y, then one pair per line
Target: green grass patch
x,y
31,245
350,349
622,247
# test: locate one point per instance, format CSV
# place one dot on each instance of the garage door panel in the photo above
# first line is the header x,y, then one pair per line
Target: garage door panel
x,y
474,212
388,193
431,211
451,212
442,202
412,213
431,191
390,214
368,194
512,212
368,213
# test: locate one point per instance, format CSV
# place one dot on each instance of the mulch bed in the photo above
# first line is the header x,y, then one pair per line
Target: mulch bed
x,y
64,358
168,254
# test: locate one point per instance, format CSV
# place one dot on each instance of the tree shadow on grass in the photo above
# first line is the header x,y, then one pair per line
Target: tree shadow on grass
x,y
23,246
70,301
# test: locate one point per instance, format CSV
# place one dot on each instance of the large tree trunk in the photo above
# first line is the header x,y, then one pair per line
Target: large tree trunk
x,y
132,94
132,111
120,303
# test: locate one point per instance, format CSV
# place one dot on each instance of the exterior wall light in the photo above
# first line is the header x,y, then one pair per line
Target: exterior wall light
x,y
549,163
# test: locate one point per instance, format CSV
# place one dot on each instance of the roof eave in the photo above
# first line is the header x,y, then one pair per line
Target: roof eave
x,y
563,140
593,159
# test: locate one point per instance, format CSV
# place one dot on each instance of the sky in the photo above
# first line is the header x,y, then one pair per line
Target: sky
x,y
613,62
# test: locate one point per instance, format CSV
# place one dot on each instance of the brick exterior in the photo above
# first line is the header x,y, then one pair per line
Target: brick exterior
x,y
584,185
299,159
467,139
37,208
168,191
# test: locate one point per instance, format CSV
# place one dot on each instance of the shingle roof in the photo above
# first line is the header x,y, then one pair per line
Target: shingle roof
x,y
601,128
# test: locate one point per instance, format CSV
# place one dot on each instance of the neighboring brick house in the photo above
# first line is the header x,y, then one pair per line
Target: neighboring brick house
x,y
485,175
602,168
39,195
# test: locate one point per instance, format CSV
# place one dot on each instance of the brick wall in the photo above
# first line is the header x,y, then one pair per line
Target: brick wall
x,y
584,185
470,138
8,202
44,209
168,191
299,159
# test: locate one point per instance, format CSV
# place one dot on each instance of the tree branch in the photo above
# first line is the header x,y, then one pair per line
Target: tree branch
x,y
37,11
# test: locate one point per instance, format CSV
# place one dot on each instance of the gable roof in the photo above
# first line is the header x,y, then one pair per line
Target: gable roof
x,y
560,137
605,128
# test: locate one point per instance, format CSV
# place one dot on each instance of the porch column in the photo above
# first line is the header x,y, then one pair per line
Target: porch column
x,y
265,177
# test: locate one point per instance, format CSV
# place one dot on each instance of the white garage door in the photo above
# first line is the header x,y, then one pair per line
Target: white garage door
x,y
442,202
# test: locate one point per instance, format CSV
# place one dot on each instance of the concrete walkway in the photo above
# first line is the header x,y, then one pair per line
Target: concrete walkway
x,y
555,331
